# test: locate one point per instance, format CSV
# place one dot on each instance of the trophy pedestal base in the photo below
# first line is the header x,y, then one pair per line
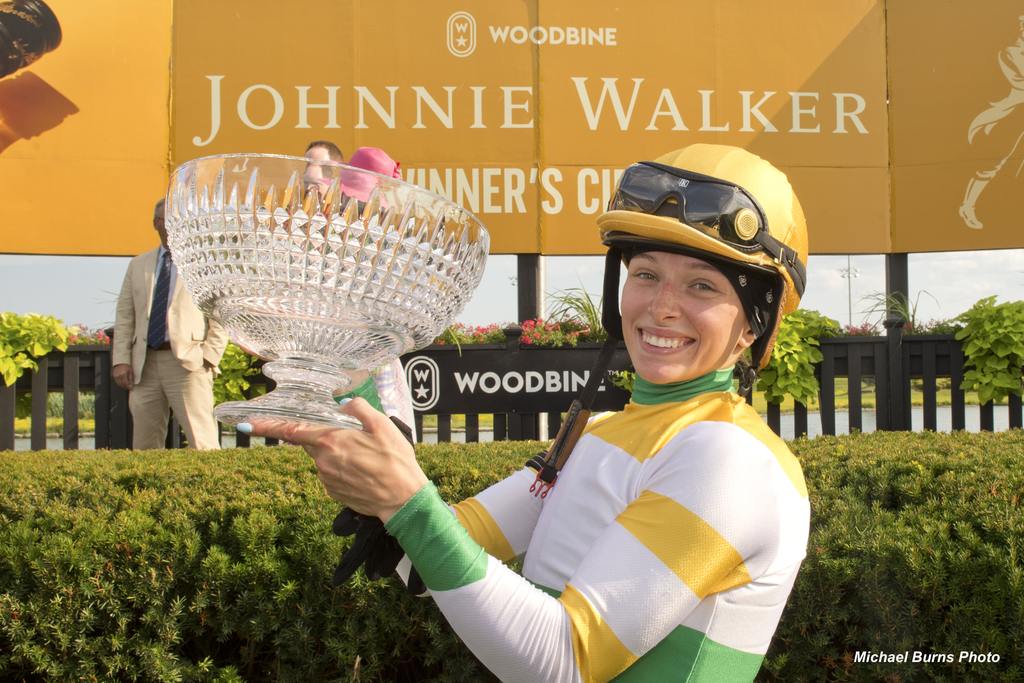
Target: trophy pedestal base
x,y
305,393
246,411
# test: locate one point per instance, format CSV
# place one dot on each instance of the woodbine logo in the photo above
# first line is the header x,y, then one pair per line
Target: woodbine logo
x,y
530,382
423,376
461,33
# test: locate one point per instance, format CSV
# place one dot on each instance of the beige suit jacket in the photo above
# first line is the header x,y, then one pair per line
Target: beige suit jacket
x,y
194,338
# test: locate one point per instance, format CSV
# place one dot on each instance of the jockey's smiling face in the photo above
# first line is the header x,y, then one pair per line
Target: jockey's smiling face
x,y
681,318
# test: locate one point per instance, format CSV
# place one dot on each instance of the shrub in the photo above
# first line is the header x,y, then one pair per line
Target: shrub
x,y
993,337
577,305
235,366
915,546
940,326
791,368
81,335
566,332
177,565
623,379
899,304
464,335
865,329
173,565
25,338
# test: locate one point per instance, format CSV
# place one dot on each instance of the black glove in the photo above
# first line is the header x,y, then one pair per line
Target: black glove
x,y
373,548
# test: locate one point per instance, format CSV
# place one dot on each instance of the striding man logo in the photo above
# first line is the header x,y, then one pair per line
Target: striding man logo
x,y
422,374
461,34
1001,139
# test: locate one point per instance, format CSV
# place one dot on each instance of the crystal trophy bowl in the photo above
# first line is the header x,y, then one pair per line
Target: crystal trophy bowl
x,y
327,271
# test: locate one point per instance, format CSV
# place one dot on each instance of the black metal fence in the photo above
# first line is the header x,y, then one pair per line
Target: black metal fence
x,y
516,384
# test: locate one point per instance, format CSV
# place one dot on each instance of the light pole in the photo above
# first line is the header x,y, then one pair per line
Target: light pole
x,y
849,272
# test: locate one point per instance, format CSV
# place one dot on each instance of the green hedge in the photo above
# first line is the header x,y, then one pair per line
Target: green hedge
x,y
174,565
916,546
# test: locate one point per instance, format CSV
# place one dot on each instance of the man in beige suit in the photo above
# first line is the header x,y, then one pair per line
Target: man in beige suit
x,y
165,350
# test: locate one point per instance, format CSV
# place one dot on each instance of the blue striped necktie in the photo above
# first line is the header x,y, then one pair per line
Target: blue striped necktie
x,y
157,333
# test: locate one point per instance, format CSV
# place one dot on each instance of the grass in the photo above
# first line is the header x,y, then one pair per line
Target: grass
x,y
943,396
54,426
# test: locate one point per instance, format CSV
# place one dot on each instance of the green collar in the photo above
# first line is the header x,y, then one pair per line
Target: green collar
x,y
646,393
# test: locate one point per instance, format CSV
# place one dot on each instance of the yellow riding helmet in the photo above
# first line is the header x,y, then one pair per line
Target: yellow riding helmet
x,y
720,201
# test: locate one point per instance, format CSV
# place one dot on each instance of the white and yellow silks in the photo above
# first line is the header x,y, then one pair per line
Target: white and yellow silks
x,y
665,553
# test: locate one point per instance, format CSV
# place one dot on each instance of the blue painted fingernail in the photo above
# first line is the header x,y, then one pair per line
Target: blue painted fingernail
x,y
244,427
343,401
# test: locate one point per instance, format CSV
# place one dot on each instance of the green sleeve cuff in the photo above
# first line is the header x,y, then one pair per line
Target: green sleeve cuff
x,y
366,390
444,555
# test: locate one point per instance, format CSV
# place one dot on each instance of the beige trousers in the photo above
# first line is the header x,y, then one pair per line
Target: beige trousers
x,y
166,386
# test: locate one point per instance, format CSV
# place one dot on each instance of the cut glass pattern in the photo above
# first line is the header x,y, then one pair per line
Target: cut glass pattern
x,y
327,279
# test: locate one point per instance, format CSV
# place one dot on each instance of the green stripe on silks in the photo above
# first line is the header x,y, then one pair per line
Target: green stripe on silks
x,y
439,547
689,655
550,591
367,390
646,393
686,655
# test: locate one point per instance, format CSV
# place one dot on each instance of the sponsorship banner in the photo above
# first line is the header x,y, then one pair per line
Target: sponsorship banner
x,y
798,82
84,133
957,124
525,112
381,74
446,381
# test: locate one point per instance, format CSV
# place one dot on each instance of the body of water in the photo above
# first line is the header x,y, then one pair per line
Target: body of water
x,y
87,443
943,423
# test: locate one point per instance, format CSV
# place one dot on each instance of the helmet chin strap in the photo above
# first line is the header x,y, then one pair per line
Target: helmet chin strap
x,y
610,316
550,463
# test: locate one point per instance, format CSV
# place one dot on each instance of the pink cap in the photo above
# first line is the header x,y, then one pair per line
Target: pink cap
x,y
372,159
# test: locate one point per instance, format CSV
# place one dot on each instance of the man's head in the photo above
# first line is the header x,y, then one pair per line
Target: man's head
x,y
158,221
319,172
324,150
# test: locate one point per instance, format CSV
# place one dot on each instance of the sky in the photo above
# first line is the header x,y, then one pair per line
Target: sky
x,y
83,290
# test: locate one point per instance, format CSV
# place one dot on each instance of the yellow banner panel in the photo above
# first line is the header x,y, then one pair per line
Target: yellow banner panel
x,y
802,79
798,82
84,133
572,197
525,108
503,196
855,221
387,75
851,208
957,82
356,73
524,111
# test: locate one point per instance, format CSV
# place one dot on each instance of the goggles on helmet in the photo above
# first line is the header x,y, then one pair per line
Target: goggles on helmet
x,y
717,208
